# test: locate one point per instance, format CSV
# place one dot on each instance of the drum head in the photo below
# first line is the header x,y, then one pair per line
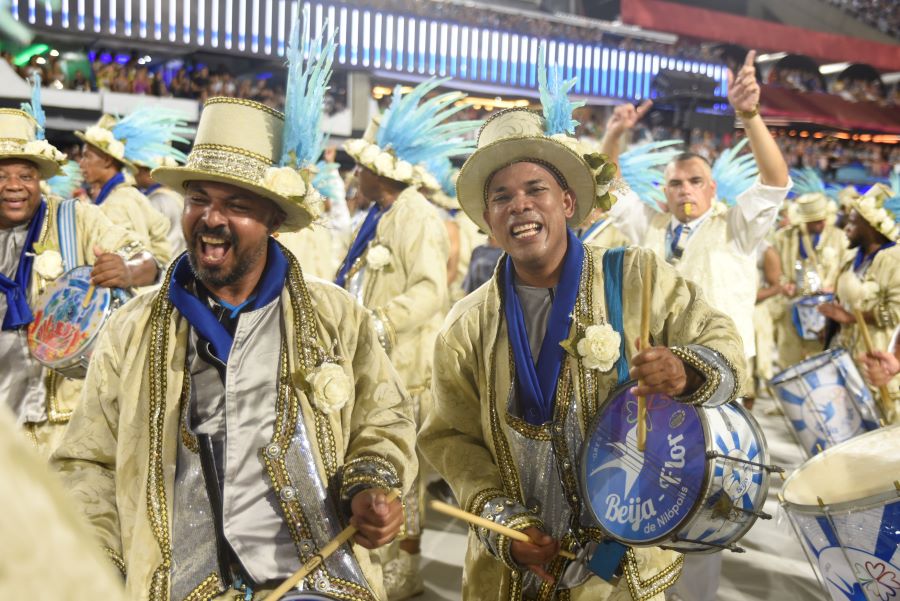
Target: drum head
x,y
863,467
63,327
641,498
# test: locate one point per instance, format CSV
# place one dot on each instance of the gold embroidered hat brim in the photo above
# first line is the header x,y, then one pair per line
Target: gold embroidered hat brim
x,y
487,160
176,178
47,168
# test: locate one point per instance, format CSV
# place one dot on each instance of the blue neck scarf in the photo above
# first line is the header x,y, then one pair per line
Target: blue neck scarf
x,y
151,189
365,235
114,181
536,384
814,239
202,318
862,259
18,313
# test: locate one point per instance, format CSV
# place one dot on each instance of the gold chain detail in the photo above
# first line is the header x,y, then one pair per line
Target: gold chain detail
x,y
206,590
244,102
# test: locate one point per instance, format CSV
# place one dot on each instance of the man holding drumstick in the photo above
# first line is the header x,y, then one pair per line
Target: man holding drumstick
x,y
509,399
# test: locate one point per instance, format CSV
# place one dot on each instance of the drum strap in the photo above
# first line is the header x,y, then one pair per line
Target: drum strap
x,y
613,267
607,558
68,237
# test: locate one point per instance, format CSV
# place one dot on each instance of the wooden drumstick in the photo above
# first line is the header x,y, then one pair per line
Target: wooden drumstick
x,y
477,520
87,297
332,546
645,344
870,348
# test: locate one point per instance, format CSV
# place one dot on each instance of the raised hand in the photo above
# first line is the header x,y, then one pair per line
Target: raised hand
x,y
743,89
625,117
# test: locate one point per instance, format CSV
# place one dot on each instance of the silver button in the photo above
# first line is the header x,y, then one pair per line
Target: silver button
x,y
288,493
322,584
273,451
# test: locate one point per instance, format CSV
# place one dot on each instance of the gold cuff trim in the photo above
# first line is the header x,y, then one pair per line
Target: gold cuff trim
x,y
206,590
643,590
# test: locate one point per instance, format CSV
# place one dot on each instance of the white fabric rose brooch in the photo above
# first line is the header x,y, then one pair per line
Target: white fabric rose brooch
x,y
598,348
48,264
378,257
331,387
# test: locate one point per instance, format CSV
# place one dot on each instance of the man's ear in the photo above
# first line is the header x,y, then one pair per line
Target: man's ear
x,y
569,203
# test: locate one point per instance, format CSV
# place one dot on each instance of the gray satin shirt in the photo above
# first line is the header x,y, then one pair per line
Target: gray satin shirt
x,y
240,418
21,382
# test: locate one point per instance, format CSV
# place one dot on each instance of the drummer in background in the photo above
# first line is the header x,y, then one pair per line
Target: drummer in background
x,y
870,280
165,200
509,401
806,273
30,259
112,150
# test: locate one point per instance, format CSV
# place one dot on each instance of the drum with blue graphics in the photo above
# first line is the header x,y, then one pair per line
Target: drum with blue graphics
x,y
808,321
825,400
844,506
699,485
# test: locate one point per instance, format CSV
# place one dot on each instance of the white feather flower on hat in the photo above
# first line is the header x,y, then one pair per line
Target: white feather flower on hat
x,y
384,164
45,149
369,154
99,135
403,171
356,146
116,149
285,181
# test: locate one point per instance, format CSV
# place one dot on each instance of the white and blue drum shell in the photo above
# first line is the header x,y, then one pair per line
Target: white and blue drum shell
x,y
852,539
698,486
808,321
825,400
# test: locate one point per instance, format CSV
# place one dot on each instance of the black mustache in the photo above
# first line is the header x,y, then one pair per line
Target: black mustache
x,y
216,232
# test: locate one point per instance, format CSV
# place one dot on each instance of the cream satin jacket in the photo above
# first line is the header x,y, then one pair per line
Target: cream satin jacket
x,y
118,456
467,436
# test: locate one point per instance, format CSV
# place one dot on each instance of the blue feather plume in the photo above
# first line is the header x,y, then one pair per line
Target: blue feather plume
x,y
643,169
734,174
328,182
895,181
307,83
416,132
148,133
809,181
554,97
34,108
65,184
443,171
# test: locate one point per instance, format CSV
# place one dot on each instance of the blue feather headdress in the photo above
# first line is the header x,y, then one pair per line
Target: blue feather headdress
x,y
734,173
554,93
307,83
643,169
35,109
65,184
144,137
445,173
328,181
809,181
413,131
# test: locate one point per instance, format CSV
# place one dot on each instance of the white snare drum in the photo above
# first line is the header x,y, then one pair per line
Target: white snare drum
x,y
699,485
66,325
844,505
825,400
808,321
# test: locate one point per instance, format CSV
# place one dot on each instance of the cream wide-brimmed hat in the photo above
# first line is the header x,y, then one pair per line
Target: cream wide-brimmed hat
x,y
101,137
811,207
18,140
517,135
880,207
239,142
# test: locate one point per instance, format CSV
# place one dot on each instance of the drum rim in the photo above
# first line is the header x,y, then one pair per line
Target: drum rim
x,y
831,352
72,361
707,479
764,485
892,493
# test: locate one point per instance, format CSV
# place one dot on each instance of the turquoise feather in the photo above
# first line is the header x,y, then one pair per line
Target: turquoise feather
x,y
554,97
35,108
643,169
307,83
734,174
148,133
65,184
327,181
416,131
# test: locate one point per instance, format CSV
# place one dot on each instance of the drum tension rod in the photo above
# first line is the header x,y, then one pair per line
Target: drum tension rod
x,y
729,547
760,514
768,468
